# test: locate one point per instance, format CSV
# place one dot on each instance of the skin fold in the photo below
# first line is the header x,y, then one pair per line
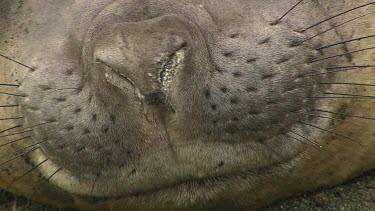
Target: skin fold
x,y
181,105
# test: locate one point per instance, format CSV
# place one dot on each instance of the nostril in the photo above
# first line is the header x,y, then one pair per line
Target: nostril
x,y
171,64
142,61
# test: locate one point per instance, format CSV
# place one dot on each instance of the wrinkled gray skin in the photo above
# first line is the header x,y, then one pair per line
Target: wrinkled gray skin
x,y
173,104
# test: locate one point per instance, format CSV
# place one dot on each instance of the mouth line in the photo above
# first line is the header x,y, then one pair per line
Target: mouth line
x,y
201,183
221,178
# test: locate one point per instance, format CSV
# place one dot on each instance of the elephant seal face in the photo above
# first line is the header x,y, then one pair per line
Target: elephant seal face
x,y
187,104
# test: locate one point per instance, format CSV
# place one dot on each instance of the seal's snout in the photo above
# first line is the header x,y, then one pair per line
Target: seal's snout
x,y
183,104
148,57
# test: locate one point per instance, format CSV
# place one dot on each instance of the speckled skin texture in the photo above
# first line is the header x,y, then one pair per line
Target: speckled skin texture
x,y
193,104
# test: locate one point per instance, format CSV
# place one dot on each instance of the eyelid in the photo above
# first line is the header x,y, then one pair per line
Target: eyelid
x,y
114,77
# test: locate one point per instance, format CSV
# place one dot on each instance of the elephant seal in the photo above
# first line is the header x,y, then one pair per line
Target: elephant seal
x,y
184,105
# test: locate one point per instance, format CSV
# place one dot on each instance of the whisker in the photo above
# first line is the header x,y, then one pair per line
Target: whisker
x,y
17,62
26,173
346,83
332,17
342,114
333,132
334,27
345,41
20,150
93,185
350,95
271,149
278,154
14,141
307,143
278,20
67,89
12,118
29,129
324,97
11,128
334,118
336,70
310,141
285,134
337,97
352,66
12,94
7,106
47,179
338,55
13,134
12,85
18,156
40,124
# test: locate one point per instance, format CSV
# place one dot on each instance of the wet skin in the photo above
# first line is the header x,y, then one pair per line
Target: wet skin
x,y
184,104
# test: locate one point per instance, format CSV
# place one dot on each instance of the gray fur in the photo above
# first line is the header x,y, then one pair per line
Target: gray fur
x,y
217,124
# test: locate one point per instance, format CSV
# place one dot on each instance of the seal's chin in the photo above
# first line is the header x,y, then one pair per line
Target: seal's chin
x,y
237,105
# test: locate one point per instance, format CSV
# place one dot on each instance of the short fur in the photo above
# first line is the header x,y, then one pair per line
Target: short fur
x,y
191,104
